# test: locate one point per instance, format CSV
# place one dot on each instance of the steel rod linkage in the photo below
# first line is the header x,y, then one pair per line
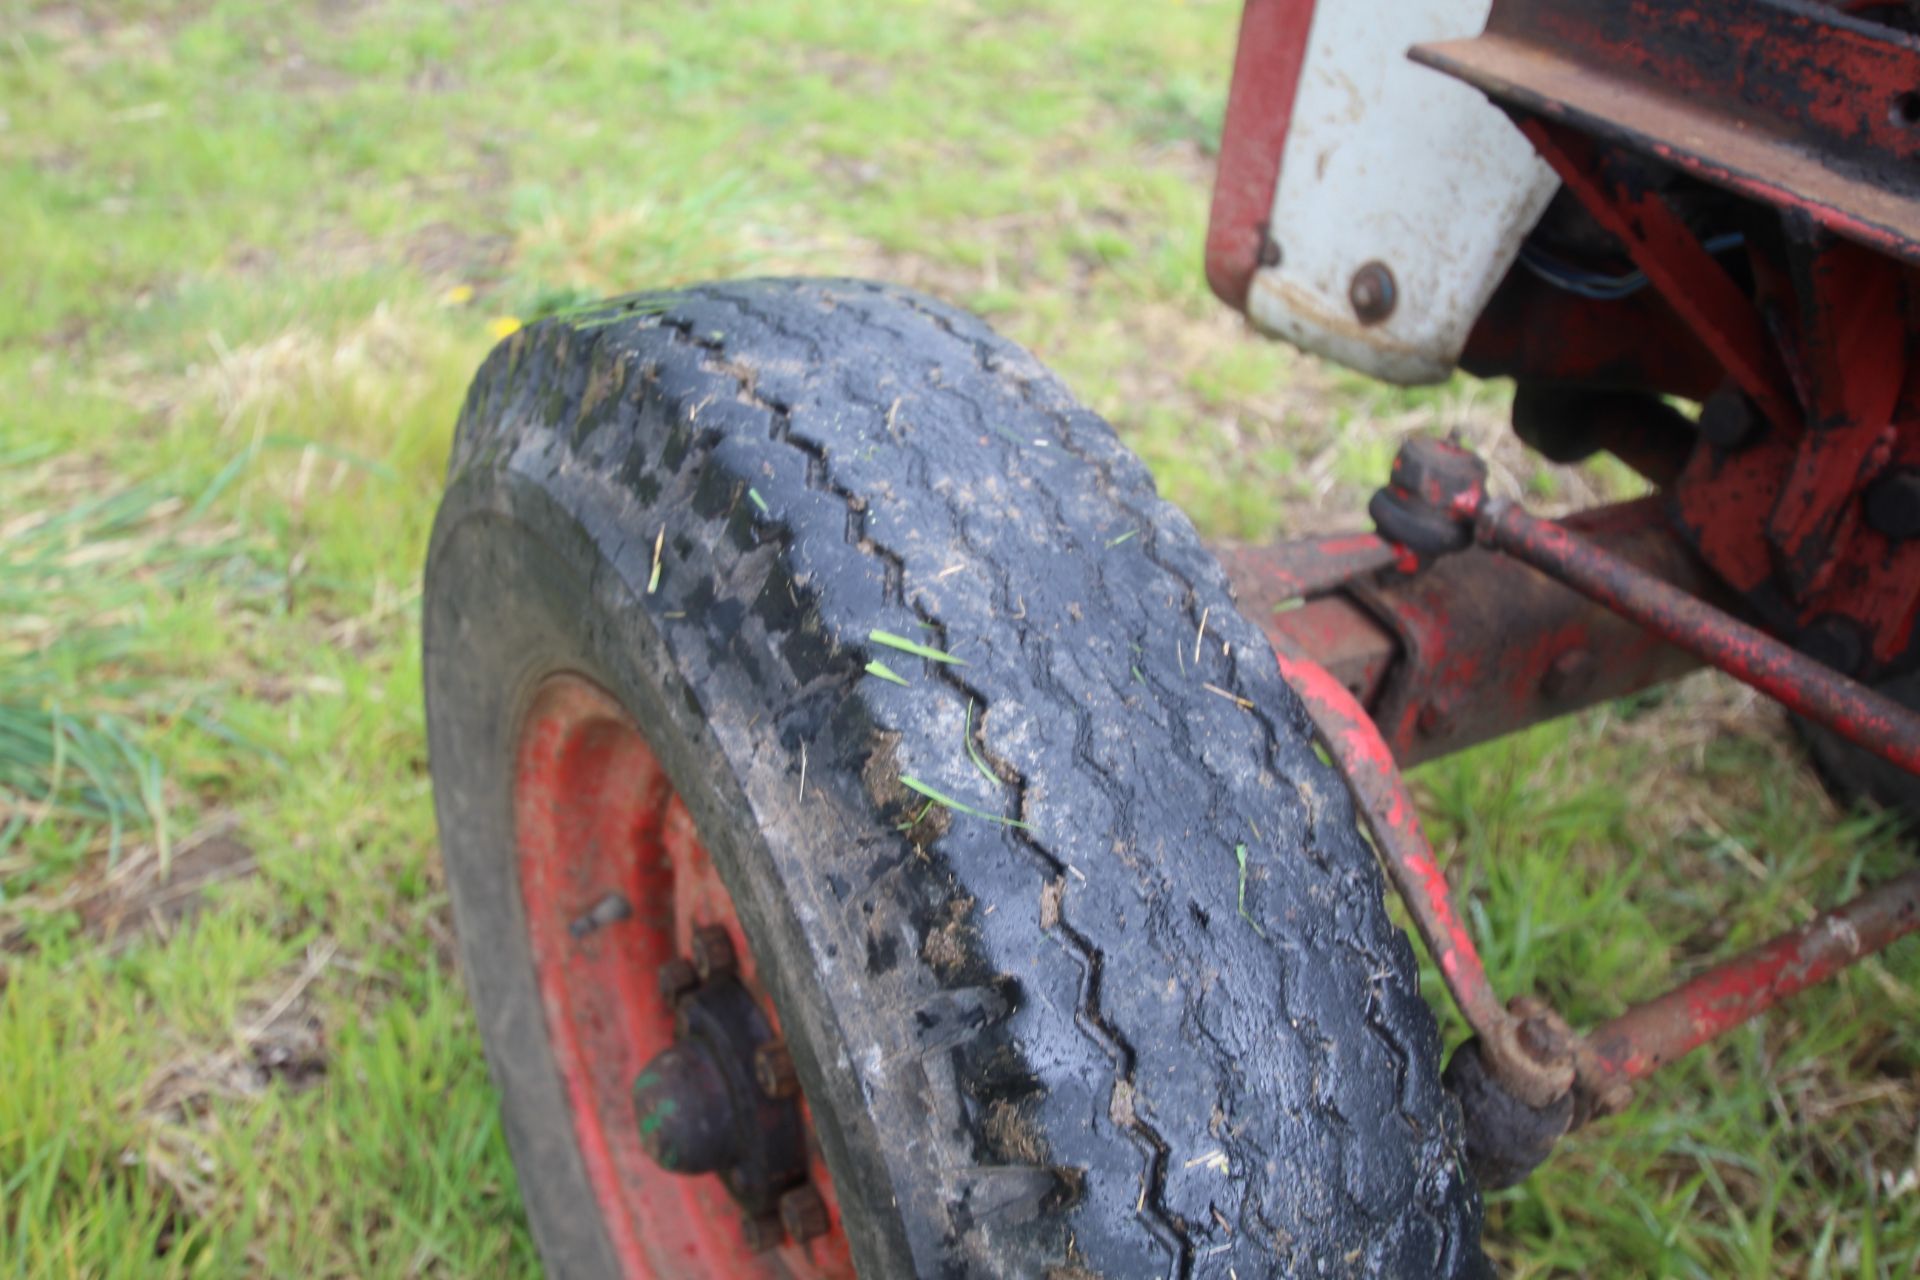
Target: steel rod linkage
x,y
1649,1036
1362,757
1526,1078
1799,683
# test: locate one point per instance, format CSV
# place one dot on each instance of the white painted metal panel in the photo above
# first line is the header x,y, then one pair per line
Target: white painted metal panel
x,y
1393,163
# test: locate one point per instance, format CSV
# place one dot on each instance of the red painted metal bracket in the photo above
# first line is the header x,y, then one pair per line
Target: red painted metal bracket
x,y
1792,104
1266,71
1811,112
1691,281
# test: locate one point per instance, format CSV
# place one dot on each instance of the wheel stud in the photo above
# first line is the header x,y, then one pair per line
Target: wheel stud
x,y
803,1213
773,1070
677,977
609,910
713,952
762,1233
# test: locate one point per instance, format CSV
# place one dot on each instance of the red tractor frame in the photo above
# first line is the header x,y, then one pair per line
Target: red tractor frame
x,y
1751,166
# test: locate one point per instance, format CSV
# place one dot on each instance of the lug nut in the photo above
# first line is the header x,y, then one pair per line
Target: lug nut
x,y
762,1233
803,1213
713,956
677,977
773,1070
1569,675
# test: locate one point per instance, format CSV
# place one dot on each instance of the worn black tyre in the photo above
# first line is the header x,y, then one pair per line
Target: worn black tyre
x,y
1166,1026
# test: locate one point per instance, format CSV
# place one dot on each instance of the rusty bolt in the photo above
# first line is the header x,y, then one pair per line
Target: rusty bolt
x,y
609,910
1542,1040
1435,720
1540,1031
1569,674
803,1213
1893,504
713,956
1728,419
773,1070
1373,293
677,977
762,1232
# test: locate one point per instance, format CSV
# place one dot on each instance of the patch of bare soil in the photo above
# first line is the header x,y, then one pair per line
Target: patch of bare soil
x,y
142,898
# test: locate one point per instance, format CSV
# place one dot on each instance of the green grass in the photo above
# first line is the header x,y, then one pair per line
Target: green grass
x,y
252,254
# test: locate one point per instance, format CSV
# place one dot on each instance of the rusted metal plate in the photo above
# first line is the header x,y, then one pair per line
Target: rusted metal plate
x,y
1795,105
1473,647
1343,638
1269,575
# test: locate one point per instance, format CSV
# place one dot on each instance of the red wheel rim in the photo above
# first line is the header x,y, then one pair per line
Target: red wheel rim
x,y
594,815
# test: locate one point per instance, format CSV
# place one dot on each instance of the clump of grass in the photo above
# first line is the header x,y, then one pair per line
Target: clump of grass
x,y
84,677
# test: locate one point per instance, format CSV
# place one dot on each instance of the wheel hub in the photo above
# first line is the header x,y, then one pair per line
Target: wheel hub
x,y
659,1027
715,1100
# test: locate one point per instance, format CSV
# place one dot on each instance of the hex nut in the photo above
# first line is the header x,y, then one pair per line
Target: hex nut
x,y
713,955
677,978
773,1070
803,1213
762,1232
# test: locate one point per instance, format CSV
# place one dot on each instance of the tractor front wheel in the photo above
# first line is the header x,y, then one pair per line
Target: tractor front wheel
x,y
875,839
